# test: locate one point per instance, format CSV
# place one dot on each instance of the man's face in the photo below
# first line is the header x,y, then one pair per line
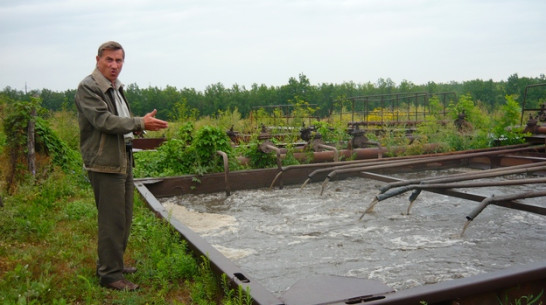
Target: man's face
x,y
110,63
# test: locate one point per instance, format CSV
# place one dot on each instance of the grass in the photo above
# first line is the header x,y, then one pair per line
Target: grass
x,y
48,252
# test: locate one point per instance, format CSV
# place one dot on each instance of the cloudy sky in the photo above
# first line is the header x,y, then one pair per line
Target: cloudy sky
x,y
195,43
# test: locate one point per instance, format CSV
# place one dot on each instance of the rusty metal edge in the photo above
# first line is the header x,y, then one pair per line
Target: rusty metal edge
x,y
218,261
467,287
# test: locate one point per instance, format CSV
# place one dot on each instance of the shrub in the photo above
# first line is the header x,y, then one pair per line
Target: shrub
x,y
193,152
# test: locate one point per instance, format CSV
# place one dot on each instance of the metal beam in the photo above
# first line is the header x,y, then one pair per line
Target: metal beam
x,y
511,204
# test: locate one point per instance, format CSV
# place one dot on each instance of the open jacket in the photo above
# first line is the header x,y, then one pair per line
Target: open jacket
x,y
102,144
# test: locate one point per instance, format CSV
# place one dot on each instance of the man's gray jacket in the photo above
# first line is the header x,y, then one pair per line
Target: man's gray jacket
x,y
102,144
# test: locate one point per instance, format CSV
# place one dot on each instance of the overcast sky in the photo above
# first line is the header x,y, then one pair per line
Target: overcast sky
x,y
195,43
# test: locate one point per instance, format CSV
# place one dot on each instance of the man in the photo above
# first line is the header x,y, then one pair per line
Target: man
x,y
106,130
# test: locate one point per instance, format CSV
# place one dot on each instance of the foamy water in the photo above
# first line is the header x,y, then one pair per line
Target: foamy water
x,y
281,236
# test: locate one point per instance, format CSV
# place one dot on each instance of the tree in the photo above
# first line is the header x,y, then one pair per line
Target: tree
x,y
385,86
135,97
406,86
296,89
512,86
484,91
52,100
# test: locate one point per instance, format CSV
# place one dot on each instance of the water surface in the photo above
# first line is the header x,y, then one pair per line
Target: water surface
x,y
281,236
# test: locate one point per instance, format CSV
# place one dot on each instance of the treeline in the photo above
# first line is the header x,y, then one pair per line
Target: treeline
x,y
169,101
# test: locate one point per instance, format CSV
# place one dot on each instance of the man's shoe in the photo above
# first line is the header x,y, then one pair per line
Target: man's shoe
x,y
129,269
122,284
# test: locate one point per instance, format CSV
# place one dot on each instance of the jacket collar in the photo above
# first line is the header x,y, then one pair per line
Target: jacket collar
x,y
103,83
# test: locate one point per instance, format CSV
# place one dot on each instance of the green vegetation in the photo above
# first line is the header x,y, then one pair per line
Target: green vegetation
x,y
48,231
174,104
48,245
192,150
189,151
523,300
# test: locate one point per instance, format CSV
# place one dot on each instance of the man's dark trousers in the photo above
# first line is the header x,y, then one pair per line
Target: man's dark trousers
x,y
114,199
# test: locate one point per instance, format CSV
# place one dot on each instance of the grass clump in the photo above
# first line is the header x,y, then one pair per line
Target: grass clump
x,y
48,252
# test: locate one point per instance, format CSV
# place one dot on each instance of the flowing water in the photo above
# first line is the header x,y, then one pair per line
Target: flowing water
x,y
280,236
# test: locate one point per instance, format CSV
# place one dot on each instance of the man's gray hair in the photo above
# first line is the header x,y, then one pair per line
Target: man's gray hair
x,y
110,45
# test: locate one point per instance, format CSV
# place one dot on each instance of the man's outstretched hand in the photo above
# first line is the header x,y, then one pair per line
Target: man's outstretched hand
x,y
151,123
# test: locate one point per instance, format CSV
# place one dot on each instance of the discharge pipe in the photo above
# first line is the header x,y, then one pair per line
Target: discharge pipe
x,y
426,160
332,148
267,146
226,170
492,199
419,187
445,180
463,176
288,168
357,163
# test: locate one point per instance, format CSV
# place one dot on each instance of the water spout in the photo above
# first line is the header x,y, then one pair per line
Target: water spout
x,y
466,226
324,185
305,183
409,207
275,179
412,199
370,208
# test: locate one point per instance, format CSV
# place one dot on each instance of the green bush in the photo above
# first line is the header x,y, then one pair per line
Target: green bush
x,y
194,152
504,131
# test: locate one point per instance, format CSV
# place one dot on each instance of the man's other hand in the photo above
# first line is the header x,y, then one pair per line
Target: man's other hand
x,y
151,123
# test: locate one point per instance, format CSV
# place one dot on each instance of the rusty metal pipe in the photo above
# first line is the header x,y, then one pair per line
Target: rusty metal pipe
x,y
492,199
431,159
517,169
393,192
354,164
436,183
461,176
332,148
426,160
489,200
457,153
380,165
278,152
226,170
358,154
420,184
321,167
468,196
541,130
479,184
359,164
338,165
328,156
348,166
379,149
310,165
419,187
